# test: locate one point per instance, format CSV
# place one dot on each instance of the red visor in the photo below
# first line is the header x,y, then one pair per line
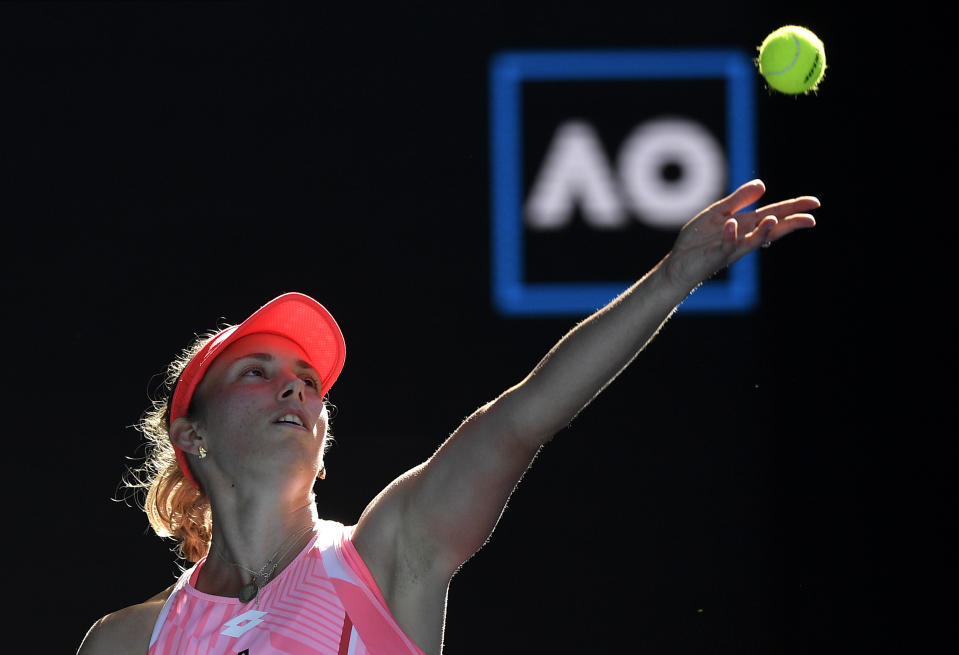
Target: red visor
x,y
295,316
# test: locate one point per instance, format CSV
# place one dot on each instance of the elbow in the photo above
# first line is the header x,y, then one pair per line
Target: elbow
x,y
524,422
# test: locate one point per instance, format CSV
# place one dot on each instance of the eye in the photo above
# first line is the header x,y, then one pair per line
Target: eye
x,y
312,383
253,371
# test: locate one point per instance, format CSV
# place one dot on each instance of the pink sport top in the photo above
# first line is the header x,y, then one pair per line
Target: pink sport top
x,y
324,603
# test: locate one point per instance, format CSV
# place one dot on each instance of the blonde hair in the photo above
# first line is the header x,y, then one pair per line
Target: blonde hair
x,y
174,507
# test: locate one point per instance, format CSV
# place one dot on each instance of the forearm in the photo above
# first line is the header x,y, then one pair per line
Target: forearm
x,y
590,356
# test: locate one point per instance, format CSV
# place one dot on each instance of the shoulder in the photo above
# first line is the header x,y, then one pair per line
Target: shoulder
x,y
127,630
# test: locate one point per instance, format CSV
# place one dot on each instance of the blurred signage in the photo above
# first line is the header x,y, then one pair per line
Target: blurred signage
x,y
599,158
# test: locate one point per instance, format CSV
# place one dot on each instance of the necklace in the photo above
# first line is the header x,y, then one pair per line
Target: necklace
x,y
251,589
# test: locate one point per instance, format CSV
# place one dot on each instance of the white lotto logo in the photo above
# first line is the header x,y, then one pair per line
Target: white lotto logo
x,y
577,173
240,625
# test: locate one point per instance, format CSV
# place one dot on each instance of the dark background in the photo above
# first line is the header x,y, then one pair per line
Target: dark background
x,y
776,482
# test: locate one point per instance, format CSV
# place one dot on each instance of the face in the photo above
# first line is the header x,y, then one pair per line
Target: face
x,y
260,412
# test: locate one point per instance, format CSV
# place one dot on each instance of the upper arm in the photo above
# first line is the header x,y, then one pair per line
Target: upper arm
x,y
434,517
103,637
126,631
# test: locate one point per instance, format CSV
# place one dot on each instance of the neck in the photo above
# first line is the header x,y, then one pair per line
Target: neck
x,y
254,537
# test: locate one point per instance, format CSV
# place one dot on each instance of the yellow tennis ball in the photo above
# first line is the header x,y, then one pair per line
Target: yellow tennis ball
x,y
792,60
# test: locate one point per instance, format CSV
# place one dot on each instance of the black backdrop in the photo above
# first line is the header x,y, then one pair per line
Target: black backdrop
x,y
169,166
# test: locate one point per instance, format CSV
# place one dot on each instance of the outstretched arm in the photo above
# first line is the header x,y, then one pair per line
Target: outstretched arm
x,y
594,352
430,520
591,355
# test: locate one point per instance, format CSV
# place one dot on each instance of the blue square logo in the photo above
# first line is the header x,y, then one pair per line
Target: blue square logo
x,y
598,158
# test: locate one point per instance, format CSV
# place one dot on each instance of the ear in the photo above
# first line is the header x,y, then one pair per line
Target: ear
x,y
185,435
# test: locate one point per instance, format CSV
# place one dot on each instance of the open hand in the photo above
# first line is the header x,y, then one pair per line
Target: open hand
x,y
718,235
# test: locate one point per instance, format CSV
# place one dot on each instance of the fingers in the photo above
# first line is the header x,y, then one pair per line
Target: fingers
x,y
769,229
742,233
790,224
730,232
785,208
790,214
737,239
762,234
744,196
752,191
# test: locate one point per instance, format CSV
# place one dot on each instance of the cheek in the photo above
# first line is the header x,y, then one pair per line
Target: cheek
x,y
227,414
322,425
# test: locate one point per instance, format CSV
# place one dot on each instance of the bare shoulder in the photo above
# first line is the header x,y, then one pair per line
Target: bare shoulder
x,y
126,631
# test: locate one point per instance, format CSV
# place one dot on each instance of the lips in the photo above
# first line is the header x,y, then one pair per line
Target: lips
x,y
291,419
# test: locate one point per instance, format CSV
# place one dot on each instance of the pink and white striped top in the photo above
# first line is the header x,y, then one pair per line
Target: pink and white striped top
x,y
324,603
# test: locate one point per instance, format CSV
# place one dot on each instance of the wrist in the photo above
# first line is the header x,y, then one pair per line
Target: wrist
x,y
667,280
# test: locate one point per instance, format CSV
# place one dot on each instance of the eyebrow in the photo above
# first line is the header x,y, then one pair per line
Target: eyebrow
x,y
267,357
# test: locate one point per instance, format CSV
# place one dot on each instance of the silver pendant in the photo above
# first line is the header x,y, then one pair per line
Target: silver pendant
x,y
249,591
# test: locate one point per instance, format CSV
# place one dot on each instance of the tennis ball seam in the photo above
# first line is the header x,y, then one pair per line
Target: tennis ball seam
x,y
793,62
812,69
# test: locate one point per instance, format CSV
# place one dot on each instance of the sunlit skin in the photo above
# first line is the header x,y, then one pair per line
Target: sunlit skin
x,y
424,525
259,459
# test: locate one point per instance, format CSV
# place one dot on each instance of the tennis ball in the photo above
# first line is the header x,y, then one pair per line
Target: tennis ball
x,y
792,60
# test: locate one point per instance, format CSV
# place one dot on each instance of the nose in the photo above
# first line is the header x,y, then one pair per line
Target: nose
x,y
293,388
